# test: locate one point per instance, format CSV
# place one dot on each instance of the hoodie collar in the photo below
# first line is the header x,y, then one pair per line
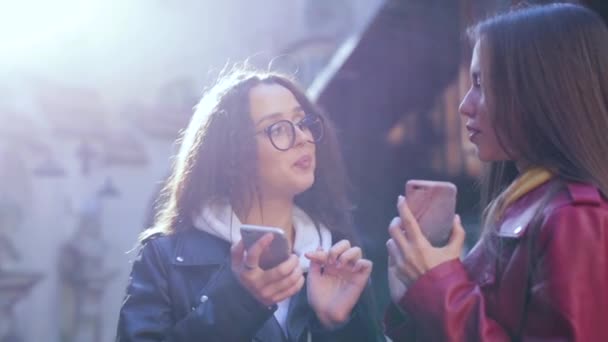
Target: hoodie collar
x,y
221,221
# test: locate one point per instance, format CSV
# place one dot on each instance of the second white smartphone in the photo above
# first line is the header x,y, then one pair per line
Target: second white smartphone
x,y
276,253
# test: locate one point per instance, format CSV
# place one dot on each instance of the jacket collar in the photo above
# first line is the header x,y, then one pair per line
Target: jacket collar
x,y
520,213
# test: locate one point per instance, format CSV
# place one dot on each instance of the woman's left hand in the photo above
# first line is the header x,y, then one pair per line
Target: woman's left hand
x,y
335,281
411,252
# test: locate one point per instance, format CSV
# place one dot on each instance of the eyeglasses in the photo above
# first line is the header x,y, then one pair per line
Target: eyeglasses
x,y
282,134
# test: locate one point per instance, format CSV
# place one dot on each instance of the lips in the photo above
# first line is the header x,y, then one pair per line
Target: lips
x,y
303,162
472,131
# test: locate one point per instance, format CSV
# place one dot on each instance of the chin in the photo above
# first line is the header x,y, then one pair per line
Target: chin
x,y
487,157
303,183
484,158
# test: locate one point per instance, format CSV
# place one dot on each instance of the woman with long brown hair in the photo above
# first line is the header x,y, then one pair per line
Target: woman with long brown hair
x,y
256,151
537,111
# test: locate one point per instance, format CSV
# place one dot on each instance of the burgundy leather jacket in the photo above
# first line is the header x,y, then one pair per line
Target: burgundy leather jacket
x,y
550,285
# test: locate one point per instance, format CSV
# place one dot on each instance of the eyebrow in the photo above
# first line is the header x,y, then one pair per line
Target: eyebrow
x,y
272,116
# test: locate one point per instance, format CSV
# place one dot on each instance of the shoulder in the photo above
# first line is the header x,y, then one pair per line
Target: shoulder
x,y
576,199
579,194
188,233
552,200
188,246
579,212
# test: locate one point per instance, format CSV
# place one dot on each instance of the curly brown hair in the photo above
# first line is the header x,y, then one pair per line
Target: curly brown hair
x,y
217,160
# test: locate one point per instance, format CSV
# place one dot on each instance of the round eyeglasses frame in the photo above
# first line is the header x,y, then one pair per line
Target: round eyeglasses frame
x,y
303,125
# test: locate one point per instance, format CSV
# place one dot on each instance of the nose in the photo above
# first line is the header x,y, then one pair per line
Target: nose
x,y
303,135
467,107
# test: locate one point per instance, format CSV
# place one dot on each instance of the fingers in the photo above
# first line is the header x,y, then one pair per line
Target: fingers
x,y
318,256
270,286
340,254
349,257
408,221
363,266
282,270
286,282
315,267
394,254
283,281
336,250
397,260
289,292
253,254
236,252
397,234
458,235
391,259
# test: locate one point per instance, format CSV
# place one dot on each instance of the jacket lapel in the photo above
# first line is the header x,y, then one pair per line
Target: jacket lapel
x,y
271,331
298,316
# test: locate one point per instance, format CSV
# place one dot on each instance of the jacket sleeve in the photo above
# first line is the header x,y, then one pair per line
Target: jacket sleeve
x,y
443,305
146,313
568,299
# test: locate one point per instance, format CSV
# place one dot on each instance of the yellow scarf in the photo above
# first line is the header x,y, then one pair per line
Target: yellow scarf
x,y
524,183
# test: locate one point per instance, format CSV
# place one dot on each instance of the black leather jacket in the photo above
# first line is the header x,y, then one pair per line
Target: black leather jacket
x,y
182,289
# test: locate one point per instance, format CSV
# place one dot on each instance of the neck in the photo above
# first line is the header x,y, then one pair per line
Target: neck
x,y
272,212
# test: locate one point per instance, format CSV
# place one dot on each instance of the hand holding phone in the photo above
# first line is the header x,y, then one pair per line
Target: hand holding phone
x,y
264,266
276,253
433,204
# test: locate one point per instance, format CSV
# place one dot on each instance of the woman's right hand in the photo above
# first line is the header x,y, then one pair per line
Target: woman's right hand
x,y
267,286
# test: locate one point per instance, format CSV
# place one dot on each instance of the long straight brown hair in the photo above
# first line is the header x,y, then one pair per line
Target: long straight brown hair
x,y
217,160
545,77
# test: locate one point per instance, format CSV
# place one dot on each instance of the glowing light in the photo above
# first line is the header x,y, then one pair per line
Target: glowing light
x,y
30,27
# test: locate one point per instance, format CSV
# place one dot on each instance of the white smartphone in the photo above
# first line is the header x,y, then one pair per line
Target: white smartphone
x,y
433,204
277,252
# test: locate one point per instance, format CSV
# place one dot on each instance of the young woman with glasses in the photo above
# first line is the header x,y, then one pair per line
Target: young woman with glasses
x,y
256,151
